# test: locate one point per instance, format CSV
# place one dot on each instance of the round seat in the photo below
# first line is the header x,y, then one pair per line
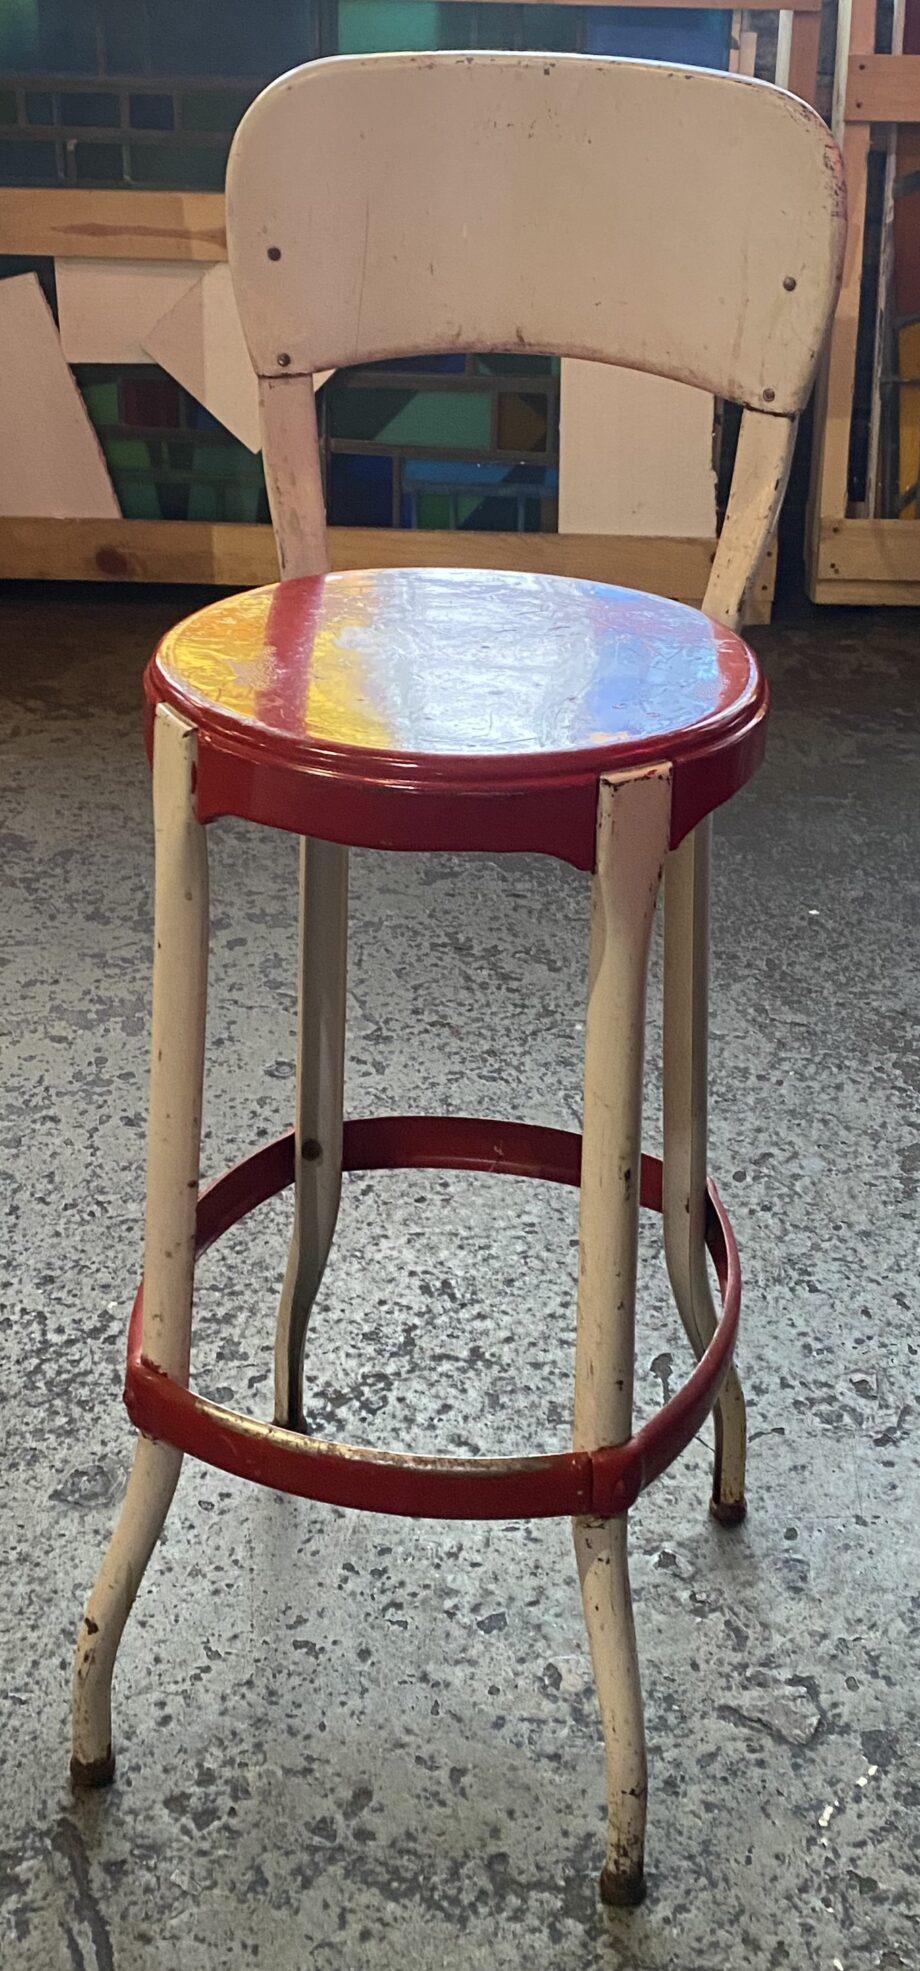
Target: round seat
x,y
456,708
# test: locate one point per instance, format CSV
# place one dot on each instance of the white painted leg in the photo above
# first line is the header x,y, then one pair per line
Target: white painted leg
x,y
632,836
174,1132
320,1079
686,1012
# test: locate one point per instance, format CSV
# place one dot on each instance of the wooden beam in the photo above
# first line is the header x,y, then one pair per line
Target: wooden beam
x,y
117,225
870,552
238,556
883,89
866,595
803,56
834,400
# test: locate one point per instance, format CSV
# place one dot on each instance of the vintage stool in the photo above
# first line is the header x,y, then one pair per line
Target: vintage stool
x,y
670,220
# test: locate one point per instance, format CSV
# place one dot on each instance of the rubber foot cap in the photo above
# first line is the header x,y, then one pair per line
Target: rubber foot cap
x,y
93,1772
622,1890
728,1512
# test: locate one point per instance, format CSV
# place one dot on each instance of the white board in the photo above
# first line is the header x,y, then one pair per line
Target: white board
x,y
51,462
635,454
107,307
200,342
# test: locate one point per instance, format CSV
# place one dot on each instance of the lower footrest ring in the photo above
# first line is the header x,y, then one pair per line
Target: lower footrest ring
x,y
604,1482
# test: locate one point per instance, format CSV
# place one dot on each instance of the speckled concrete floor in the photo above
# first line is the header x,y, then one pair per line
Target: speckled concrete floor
x,y
351,1742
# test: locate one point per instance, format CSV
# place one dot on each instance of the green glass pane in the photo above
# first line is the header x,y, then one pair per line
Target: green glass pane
x,y
368,27
127,454
432,510
137,498
90,110
467,505
95,161
185,167
7,106
442,418
213,109
101,400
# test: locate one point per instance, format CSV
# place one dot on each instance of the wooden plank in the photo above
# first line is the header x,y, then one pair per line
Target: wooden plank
x,y
883,89
241,556
105,308
802,74
869,551
116,225
201,551
51,461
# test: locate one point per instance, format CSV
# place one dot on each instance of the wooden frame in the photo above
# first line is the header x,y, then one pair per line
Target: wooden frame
x,y
857,558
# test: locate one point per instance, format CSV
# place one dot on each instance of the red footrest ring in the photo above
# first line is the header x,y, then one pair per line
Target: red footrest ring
x,y
603,1482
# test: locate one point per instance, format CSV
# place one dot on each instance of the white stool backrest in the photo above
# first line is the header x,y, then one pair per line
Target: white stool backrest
x,y
671,220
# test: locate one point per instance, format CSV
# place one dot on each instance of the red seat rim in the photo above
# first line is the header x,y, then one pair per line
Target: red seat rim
x,y
604,1482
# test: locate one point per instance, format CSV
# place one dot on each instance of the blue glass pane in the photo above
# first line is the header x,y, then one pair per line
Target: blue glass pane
x,y
659,34
360,491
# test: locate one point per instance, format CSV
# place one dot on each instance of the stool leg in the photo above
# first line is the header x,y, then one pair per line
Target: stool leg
x,y
318,1126
686,982
632,837
174,1132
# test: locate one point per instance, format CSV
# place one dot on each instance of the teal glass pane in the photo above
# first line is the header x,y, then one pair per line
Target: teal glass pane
x,y
368,27
67,30
555,28
90,110
94,162
398,417
198,37
241,503
137,498
20,41
203,502
517,365
28,164
8,106
442,418
150,112
213,109
39,106
230,462
184,167
125,37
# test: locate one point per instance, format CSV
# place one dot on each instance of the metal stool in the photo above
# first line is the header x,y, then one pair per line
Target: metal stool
x,y
449,709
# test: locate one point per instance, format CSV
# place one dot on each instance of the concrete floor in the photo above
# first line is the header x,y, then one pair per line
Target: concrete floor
x,y
350,1742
